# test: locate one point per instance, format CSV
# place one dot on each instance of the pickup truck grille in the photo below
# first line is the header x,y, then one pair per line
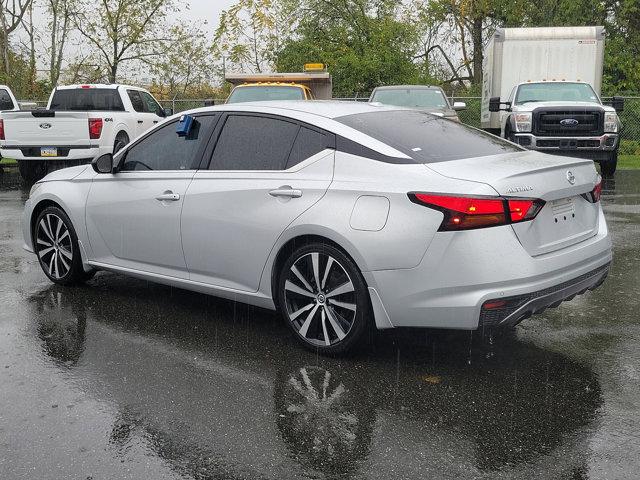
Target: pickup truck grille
x,y
549,123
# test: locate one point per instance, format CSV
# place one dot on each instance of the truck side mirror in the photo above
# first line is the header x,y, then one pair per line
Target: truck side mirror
x,y
618,103
494,104
209,102
457,106
167,112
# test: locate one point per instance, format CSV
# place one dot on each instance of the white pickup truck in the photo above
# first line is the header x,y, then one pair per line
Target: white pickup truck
x,y
80,123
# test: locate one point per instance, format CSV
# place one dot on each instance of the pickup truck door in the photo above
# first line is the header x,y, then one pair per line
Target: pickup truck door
x,y
133,216
142,119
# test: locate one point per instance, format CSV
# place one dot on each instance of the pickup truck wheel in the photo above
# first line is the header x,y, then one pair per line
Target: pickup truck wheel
x,y
121,140
32,170
609,165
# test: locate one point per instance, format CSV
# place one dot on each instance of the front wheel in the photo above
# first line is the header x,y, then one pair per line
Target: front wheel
x,y
609,165
56,245
323,298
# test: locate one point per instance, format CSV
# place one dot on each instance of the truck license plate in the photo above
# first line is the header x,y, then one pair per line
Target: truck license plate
x,y
48,152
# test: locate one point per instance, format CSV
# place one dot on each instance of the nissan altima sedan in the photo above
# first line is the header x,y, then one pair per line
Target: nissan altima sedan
x,y
343,216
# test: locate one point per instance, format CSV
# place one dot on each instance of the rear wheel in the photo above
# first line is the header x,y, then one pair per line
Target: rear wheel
x,y
32,170
323,298
609,165
121,140
56,245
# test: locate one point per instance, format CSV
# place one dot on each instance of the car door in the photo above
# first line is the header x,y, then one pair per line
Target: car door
x,y
264,172
153,110
133,216
142,119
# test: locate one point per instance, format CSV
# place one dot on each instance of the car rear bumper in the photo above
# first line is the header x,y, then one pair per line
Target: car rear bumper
x,y
461,271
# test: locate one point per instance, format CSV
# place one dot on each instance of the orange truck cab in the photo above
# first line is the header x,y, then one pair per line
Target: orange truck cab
x,y
314,83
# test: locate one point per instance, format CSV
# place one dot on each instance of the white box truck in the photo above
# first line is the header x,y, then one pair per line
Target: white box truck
x,y
541,89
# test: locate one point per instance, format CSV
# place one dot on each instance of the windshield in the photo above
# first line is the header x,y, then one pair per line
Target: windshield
x,y
550,92
87,99
260,93
411,97
427,138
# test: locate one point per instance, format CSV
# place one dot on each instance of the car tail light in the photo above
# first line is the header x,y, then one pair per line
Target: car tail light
x,y
95,128
466,213
593,196
1,129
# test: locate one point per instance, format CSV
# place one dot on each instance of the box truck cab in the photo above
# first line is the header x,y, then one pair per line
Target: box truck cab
x,y
541,90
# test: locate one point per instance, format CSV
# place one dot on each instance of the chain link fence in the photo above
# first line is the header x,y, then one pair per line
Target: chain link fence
x,y
630,117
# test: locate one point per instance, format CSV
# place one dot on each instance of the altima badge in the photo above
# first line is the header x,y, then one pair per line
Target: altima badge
x,y
571,178
45,126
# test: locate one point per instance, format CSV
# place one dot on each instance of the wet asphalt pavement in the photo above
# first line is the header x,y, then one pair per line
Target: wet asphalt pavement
x,y
122,378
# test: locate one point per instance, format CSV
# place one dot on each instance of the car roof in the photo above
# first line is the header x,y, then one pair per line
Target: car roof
x,y
97,85
272,84
410,87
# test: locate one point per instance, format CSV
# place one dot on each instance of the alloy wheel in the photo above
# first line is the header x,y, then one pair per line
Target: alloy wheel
x,y
54,246
320,299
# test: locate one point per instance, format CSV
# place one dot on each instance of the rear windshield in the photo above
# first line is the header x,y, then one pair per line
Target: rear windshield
x,y
411,97
87,99
427,138
261,93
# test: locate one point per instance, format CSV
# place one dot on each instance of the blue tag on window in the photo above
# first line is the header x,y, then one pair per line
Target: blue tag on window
x,y
184,125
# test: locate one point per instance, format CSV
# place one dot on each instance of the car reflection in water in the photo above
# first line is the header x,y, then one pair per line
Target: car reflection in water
x,y
214,390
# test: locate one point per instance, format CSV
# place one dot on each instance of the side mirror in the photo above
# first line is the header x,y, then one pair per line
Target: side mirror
x,y
459,106
167,112
618,103
209,102
103,164
494,105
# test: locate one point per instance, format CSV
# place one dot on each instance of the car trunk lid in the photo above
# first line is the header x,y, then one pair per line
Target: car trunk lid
x,y
566,218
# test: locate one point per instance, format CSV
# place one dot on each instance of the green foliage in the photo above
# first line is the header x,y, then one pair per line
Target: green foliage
x,y
361,41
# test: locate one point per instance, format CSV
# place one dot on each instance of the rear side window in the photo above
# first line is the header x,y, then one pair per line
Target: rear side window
x,y
136,100
165,150
253,143
87,99
308,143
427,138
5,100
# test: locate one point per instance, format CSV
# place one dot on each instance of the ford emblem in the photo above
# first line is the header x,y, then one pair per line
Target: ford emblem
x,y
45,126
569,122
571,178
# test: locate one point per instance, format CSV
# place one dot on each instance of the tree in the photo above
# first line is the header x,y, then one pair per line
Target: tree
x,y
11,17
60,24
251,31
363,43
122,31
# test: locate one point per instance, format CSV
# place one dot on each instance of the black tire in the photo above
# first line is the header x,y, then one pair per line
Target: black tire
x,y
57,249
121,140
608,167
323,321
32,170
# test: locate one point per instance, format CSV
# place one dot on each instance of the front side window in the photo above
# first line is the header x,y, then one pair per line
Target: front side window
x,y
427,138
87,100
165,150
253,143
150,104
555,92
5,100
136,100
260,93
411,97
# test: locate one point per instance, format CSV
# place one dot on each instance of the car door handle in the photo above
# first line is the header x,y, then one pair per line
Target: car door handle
x,y
286,192
155,121
140,121
168,197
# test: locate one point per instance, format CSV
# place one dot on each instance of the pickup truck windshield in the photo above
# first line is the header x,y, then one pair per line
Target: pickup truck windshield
x,y
425,137
411,97
260,93
87,100
555,92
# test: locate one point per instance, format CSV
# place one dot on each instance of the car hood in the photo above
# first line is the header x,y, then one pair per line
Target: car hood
x,y
65,173
531,106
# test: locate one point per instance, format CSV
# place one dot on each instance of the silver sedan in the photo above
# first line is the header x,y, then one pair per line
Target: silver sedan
x,y
343,216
